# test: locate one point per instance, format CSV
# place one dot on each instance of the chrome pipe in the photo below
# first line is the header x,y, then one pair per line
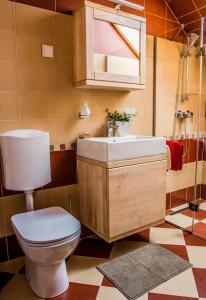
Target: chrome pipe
x,y
179,30
179,85
187,77
199,113
128,4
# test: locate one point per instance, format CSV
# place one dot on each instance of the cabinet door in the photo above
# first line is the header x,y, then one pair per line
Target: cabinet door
x,y
93,197
119,48
137,196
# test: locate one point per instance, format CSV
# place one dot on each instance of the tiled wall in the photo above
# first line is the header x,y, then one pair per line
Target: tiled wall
x,y
37,92
168,66
179,184
160,18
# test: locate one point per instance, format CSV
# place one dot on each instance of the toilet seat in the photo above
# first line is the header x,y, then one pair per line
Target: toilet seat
x,y
46,227
54,243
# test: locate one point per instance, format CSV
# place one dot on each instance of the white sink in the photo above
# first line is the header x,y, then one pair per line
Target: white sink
x,y
120,148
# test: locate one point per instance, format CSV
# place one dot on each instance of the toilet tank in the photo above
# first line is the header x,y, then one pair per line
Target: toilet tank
x,y
26,159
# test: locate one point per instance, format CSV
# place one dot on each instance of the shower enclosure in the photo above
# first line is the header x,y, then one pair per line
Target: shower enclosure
x,y
190,216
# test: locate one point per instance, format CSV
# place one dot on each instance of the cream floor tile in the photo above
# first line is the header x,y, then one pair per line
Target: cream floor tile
x,y
166,236
124,247
82,269
109,293
180,220
144,297
197,256
12,266
203,221
203,206
17,289
180,285
179,207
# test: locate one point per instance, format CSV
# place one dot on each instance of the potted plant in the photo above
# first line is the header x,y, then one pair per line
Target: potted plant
x,y
120,121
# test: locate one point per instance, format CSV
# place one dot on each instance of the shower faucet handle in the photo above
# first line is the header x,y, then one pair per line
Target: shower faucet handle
x,y
184,114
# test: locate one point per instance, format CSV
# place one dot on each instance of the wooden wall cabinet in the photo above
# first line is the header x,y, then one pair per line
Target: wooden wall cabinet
x,y
109,48
118,199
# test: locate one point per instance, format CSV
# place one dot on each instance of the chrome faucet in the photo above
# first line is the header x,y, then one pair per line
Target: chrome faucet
x,y
112,129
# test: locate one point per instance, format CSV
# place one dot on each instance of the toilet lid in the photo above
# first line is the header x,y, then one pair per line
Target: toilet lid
x,y
45,225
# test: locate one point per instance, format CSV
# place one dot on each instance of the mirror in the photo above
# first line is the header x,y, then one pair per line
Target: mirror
x,y
116,48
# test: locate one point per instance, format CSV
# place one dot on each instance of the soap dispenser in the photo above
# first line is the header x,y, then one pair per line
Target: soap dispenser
x,y
85,111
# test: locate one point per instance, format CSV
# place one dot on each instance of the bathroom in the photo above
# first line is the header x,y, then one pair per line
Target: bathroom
x,y
37,92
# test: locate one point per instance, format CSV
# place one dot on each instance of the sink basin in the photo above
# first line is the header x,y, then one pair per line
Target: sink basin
x,y
120,148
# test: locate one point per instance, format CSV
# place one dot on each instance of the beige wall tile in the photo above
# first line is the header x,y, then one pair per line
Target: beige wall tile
x,y
204,172
8,46
99,104
35,77
39,106
63,27
8,76
13,205
149,65
64,37
70,103
9,125
66,197
48,125
7,15
66,77
9,106
150,45
34,21
71,128
185,178
29,48
168,64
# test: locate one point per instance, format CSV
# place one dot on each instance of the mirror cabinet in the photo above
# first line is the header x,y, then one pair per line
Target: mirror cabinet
x,y
109,48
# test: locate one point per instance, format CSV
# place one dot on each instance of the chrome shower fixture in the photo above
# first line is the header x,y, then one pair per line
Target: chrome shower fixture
x,y
128,4
191,40
184,114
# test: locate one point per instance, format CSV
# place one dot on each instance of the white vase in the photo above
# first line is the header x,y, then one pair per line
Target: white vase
x,y
123,128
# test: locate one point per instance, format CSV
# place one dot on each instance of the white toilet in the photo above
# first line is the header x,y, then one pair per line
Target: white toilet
x,y
47,236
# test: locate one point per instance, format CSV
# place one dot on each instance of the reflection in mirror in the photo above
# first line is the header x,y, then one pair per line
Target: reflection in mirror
x,y
116,48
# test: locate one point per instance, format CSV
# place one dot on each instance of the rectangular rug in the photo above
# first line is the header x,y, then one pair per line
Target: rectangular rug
x,y
141,270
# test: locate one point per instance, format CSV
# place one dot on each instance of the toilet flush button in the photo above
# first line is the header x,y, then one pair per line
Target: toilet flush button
x,y
48,51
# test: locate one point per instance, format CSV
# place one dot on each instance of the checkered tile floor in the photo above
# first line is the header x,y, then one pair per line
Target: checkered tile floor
x,y
183,218
87,283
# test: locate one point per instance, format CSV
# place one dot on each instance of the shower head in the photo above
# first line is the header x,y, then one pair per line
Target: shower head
x,y
193,37
191,40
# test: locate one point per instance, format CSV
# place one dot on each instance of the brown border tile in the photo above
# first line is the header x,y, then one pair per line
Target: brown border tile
x,y
45,4
14,247
178,198
63,168
3,250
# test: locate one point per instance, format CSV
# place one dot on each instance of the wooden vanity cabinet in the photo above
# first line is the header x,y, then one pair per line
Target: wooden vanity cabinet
x,y
118,199
109,48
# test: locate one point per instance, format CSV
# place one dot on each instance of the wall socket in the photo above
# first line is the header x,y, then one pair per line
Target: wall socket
x,y
48,51
131,111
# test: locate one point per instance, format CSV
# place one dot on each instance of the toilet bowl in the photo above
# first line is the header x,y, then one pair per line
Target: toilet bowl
x,y
47,237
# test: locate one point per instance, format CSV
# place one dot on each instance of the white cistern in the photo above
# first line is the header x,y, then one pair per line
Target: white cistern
x,y
26,161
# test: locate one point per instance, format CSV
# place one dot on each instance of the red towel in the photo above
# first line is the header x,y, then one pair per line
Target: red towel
x,y
176,151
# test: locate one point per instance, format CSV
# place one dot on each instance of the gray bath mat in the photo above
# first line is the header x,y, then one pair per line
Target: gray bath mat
x,y
141,270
